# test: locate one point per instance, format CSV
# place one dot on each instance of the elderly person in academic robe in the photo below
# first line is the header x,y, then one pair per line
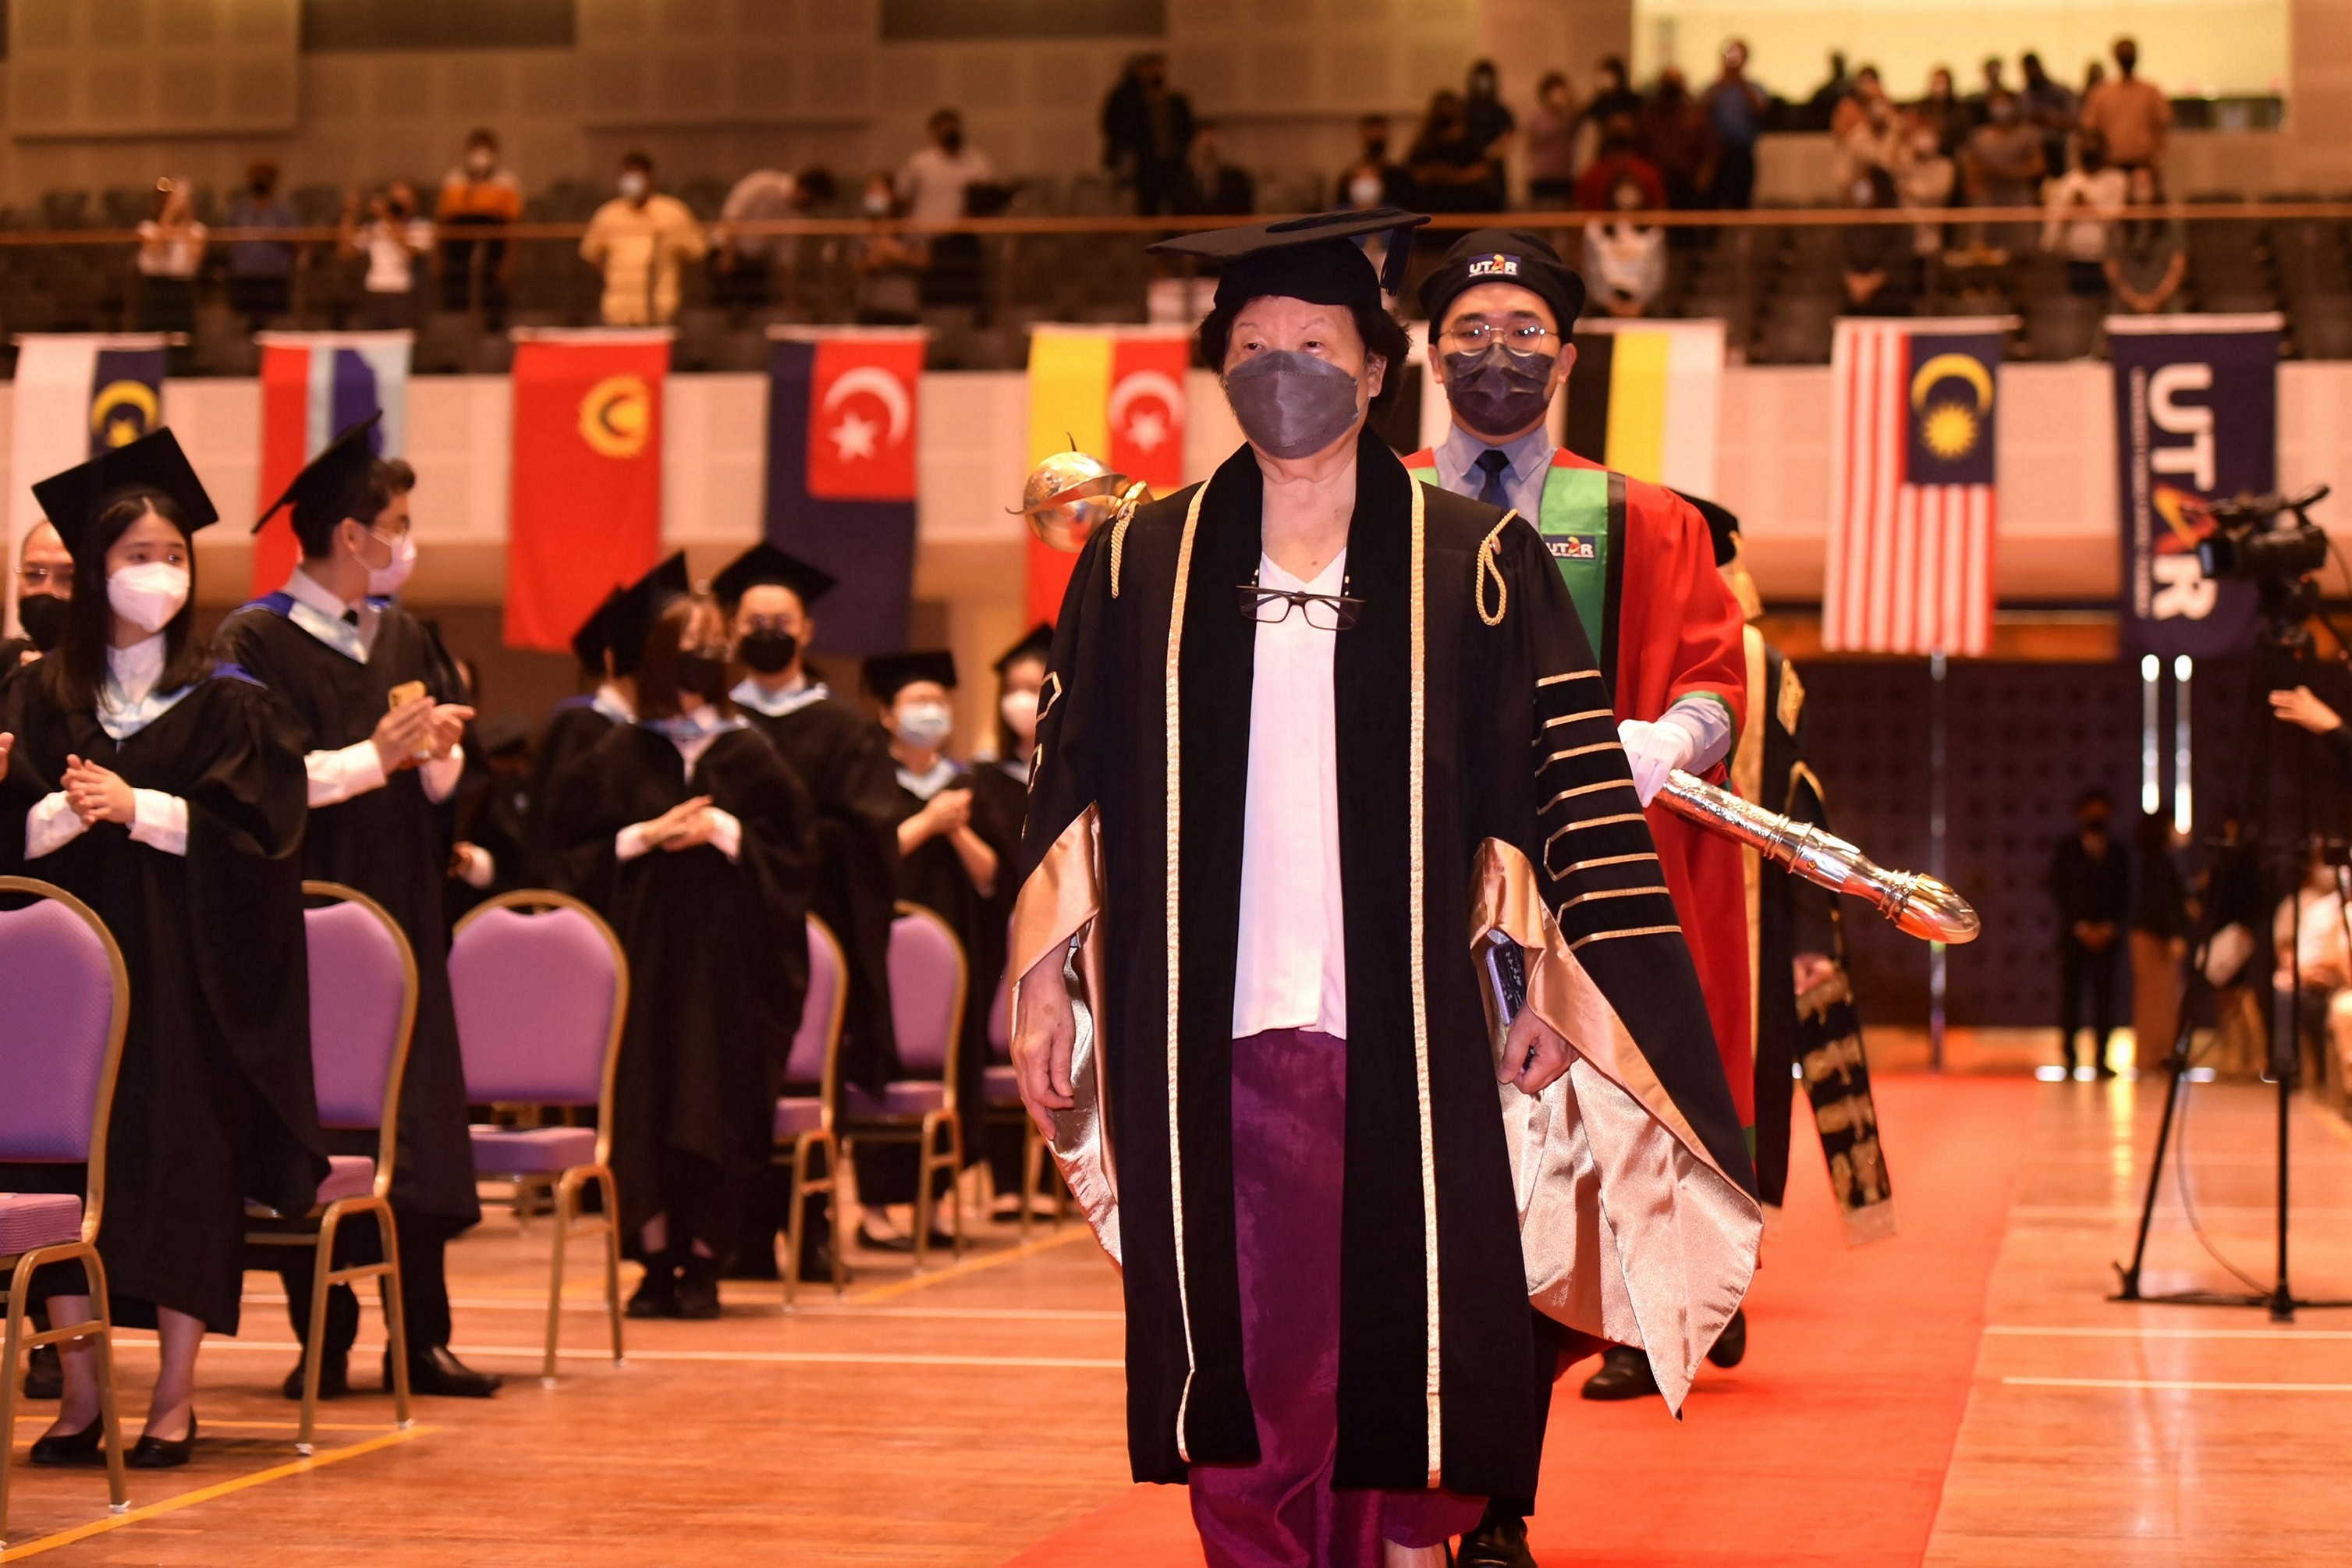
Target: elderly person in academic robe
x,y
1310,732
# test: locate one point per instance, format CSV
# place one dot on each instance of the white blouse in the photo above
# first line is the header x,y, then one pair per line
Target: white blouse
x,y
157,820
1291,968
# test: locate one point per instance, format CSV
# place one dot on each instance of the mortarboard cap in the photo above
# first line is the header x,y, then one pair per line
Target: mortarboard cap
x,y
594,638
1314,258
887,674
763,563
1038,644
333,484
1721,523
75,500
1504,256
636,607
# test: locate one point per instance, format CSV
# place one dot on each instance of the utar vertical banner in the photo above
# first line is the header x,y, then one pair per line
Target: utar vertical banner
x,y
2196,421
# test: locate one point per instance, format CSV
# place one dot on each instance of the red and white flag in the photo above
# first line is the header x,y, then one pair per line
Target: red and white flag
x,y
1912,486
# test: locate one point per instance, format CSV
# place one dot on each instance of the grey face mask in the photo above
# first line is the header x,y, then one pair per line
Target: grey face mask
x,y
1289,404
1499,392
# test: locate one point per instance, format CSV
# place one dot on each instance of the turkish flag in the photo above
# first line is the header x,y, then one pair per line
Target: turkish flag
x,y
861,417
1145,409
585,512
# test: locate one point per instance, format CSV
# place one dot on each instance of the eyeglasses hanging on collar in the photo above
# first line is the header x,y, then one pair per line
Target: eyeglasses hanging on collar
x,y
1324,612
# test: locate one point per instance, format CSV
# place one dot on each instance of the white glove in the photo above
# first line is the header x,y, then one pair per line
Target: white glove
x,y
1654,750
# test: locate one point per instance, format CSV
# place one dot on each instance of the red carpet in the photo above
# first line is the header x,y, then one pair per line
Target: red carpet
x,y
1828,1445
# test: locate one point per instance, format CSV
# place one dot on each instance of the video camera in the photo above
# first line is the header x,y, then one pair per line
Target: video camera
x,y
2256,543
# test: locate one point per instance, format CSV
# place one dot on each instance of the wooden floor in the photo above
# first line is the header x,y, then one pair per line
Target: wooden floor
x,y
960,1417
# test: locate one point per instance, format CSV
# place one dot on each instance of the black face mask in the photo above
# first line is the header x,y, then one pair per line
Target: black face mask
x,y
768,651
703,673
951,141
43,616
1499,393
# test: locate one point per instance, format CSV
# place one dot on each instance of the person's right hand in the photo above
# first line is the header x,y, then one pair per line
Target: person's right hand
x,y
399,734
676,819
8,744
1044,1032
950,809
2302,709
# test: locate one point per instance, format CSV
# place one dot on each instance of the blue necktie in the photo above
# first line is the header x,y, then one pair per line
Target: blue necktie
x,y
1496,462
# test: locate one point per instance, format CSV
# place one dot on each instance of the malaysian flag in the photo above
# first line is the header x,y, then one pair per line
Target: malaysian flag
x,y
1911,487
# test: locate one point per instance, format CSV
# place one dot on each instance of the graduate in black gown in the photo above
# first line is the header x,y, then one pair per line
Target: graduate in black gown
x,y
952,852
168,796
844,759
492,854
334,649
999,787
706,840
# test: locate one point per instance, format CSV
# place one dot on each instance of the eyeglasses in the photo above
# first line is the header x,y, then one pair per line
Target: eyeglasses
x,y
1272,606
41,579
1525,337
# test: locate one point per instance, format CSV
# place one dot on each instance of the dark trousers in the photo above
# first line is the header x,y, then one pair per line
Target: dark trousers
x,y
1550,1340
2096,975
1734,177
425,1286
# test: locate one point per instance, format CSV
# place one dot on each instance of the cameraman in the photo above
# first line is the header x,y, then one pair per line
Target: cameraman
x,y
2307,712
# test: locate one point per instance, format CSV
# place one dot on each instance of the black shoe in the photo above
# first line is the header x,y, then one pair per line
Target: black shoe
x,y
44,1373
153,1453
87,1447
816,1265
334,1377
656,1294
697,1288
435,1370
1730,1347
1624,1374
1499,1541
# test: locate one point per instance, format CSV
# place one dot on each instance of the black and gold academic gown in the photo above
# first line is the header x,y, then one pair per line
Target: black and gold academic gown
x,y
1480,786
215,1102
571,733
717,953
392,844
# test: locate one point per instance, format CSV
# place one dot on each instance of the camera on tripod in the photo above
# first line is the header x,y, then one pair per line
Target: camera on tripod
x,y
2256,543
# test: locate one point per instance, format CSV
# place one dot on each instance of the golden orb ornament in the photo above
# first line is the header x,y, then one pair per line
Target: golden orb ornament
x,y
1071,495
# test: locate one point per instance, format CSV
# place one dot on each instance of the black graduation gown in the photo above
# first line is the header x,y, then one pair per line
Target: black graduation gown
x,y
392,844
1515,739
717,951
571,733
214,1102
494,814
844,759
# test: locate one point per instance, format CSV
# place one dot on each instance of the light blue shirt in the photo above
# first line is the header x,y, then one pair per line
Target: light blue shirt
x,y
1531,456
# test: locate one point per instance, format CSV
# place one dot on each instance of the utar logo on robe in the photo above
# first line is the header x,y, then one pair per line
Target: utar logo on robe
x,y
122,411
616,416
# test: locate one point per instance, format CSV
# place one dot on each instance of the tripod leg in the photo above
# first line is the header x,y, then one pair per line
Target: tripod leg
x,y
2176,1065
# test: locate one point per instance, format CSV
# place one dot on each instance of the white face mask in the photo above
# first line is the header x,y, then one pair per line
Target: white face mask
x,y
633,186
1020,710
149,594
924,724
481,162
385,581
1365,190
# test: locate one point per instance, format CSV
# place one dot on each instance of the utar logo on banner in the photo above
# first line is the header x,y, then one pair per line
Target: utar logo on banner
x,y
2196,421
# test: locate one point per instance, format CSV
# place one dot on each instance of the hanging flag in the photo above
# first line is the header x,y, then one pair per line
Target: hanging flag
x,y
1645,398
586,504
841,407
77,394
1117,393
1911,486
314,384
2196,419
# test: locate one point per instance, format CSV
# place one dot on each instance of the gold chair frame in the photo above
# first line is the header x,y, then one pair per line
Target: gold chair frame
x,y
101,1325
923,1131
568,1217
795,1155
319,1226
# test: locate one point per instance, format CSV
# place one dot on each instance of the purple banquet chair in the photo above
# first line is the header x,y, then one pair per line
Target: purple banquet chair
x,y
804,1121
541,986
927,978
60,1042
1005,1110
363,1011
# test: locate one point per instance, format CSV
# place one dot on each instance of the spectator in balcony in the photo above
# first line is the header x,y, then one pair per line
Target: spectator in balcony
x,y
1618,160
2148,257
1210,185
2080,208
170,249
1880,270
1451,170
1856,105
1832,91
749,263
888,261
1552,132
2050,105
1490,126
391,239
260,271
478,194
1146,128
1374,179
2001,167
1942,112
1624,259
1736,109
1925,178
2130,113
1980,102
1871,133
1612,94
937,177
1679,139
640,240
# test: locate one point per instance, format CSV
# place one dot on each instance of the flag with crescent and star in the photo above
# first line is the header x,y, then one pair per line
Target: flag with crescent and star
x,y
585,503
1912,486
78,394
842,424
1116,393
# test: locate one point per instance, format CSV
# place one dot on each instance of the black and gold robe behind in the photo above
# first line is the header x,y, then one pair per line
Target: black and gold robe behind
x,y
1467,705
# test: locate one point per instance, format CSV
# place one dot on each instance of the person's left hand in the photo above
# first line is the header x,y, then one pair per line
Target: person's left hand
x,y
1533,1056
446,728
694,834
1810,969
98,795
2302,709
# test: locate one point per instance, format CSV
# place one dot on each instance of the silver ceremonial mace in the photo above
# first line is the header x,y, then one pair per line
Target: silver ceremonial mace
x,y
1917,903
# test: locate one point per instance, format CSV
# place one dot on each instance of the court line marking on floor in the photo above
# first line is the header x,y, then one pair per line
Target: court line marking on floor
x,y
67,1537
2177,1386
967,1269
2282,1336
289,1425
743,1358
